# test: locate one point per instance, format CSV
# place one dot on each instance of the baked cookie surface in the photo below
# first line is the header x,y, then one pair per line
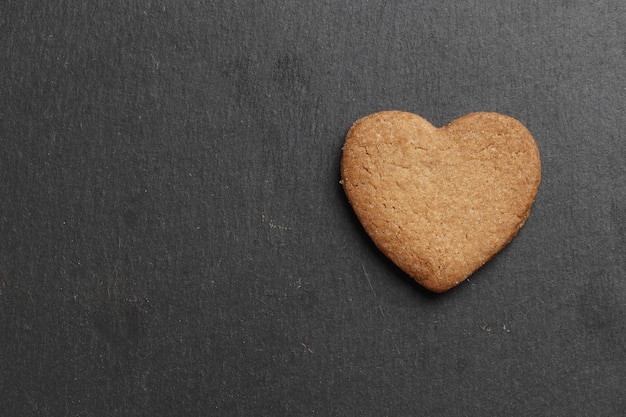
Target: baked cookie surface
x,y
440,202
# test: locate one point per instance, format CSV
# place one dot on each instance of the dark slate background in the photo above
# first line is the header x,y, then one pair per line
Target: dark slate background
x,y
174,240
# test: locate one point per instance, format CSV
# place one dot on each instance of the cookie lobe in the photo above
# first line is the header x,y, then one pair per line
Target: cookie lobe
x,y
440,202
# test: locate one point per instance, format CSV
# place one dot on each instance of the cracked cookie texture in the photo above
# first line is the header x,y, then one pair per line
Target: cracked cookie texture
x,y
440,202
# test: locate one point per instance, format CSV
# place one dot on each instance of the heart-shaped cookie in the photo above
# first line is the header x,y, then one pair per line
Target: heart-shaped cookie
x,y
440,202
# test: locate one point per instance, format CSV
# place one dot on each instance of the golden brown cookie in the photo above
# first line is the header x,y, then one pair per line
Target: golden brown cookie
x,y
440,202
